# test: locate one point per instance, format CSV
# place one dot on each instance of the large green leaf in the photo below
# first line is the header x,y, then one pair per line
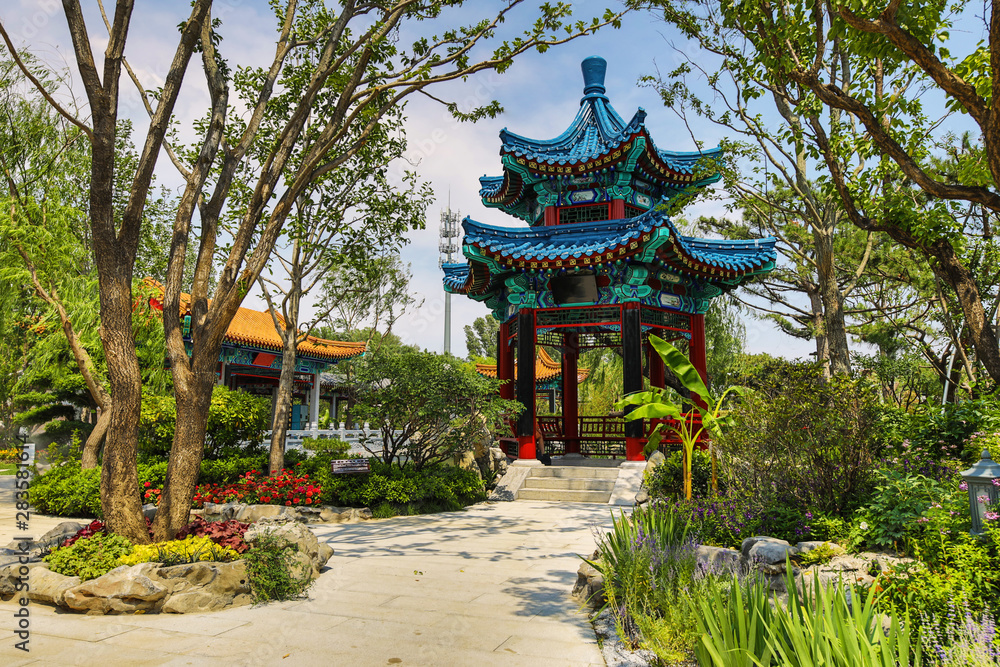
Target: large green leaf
x,y
682,367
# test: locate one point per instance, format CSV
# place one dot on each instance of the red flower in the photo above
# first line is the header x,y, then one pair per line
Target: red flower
x,y
148,484
288,502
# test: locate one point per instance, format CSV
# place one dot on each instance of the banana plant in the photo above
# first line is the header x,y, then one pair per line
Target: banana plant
x,y
656,403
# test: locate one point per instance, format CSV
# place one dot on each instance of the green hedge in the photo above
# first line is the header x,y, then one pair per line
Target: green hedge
x,y
68,490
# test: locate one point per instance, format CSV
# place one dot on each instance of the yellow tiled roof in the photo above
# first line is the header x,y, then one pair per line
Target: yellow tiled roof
x,y
546,368
255,328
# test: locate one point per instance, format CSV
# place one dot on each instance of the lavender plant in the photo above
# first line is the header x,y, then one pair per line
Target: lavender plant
x,y
960,637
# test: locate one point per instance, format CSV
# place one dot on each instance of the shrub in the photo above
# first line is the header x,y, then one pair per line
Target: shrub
x,y
90,557
10,455
960,637
809,442
667,479
234,418
67,490
179,552
337,448
227,534
946,433
724,521
435,488
269,565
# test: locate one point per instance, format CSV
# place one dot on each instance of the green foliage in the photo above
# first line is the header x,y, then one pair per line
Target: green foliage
x,y
803,441
234,417
90,557
428,407
269,569
179,552
739,625
649,566
667,479
437,488
481,338
67,490
336,448
947,433
822,554
899,500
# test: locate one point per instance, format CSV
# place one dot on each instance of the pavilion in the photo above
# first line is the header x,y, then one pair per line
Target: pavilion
x,y
250,361
599,264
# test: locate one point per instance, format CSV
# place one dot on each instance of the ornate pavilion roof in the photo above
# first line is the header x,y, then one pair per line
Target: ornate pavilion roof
x,y
255,329
598,148
546,369
494,250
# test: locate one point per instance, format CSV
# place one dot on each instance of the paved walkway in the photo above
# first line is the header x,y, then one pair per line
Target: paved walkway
x,y
488,586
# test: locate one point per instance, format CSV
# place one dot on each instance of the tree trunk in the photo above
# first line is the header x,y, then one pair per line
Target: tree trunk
x,y
834,326
93,445
284,403
819,331
193,398
120,497
958,276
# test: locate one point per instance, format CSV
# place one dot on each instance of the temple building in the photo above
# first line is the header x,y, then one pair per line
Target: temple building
x,y
250,361
598,264
548,377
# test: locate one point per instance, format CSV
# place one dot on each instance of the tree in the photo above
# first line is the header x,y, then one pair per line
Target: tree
x,y
862,60
481,338
338,223
427,407
372,74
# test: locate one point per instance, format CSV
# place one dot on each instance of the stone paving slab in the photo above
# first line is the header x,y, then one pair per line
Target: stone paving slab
x,y
487,586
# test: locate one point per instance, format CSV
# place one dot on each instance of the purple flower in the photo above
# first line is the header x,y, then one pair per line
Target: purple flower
x,y
963,487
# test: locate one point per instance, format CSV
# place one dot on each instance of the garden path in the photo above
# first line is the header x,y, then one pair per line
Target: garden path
x,y
487,586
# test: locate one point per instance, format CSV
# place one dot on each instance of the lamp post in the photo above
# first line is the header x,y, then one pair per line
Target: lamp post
x,y
982,490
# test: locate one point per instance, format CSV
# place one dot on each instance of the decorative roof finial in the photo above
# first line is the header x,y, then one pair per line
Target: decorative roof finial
x,y
594,68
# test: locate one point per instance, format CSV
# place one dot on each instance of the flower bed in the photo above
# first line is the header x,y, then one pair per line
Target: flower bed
x,y
288,488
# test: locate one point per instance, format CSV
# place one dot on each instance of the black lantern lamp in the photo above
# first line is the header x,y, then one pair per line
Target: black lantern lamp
x,y
981,489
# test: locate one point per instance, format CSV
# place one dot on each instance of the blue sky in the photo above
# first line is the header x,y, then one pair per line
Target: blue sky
x,y
540,94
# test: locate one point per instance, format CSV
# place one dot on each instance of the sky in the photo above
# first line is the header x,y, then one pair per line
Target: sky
x,y
540,94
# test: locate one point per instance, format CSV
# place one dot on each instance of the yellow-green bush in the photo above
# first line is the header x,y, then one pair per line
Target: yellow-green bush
x,y
177,552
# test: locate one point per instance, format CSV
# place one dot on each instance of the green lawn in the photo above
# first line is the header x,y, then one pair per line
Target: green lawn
x,y
8,468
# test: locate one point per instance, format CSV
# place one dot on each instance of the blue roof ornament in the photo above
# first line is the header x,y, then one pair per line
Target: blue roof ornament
x,y
594,69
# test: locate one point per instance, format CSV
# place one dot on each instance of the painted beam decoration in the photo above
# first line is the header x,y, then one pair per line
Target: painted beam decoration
x,y
596,200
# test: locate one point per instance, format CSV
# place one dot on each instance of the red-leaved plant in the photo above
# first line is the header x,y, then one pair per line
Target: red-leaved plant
x,y
224,533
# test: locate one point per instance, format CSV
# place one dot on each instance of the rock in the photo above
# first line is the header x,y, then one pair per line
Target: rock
x,y
589,587
359,514
331,515
11,575
203,586
149,511
325,553
44,544
717,560
642,497
467,461
221,511
293,533
50,587
254,513
654,460
768,551
125,589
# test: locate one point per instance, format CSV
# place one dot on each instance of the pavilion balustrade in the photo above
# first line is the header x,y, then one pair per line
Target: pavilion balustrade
x,y
605,436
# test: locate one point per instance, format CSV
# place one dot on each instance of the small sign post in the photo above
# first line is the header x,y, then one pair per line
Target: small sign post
x,y
345,466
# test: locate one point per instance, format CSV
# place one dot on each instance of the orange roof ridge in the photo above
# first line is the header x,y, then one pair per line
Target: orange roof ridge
x,y
256,328
546,368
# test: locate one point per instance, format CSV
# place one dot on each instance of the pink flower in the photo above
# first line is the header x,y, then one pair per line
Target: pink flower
x,y
992,516
963,487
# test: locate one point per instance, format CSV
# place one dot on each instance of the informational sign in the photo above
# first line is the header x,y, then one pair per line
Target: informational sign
x,y
345,466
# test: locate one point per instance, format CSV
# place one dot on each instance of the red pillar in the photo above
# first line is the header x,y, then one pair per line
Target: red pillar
x,y
570,382
551,216
617,209
526,382
697,352
656,369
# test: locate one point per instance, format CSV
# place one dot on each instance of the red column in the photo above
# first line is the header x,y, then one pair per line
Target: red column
x,y
632,375
551,216
570,375
656,369
617,209
697,351
526,383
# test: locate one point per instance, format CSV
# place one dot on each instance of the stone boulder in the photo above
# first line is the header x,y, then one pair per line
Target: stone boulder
x,y
657,458
717,560
50,587
11,575
204,586
125,589
307,514
766,553
44,544
589,587
310,557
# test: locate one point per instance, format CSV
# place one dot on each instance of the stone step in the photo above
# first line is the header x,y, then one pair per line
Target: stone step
x,y
570,483
576,472
564,496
